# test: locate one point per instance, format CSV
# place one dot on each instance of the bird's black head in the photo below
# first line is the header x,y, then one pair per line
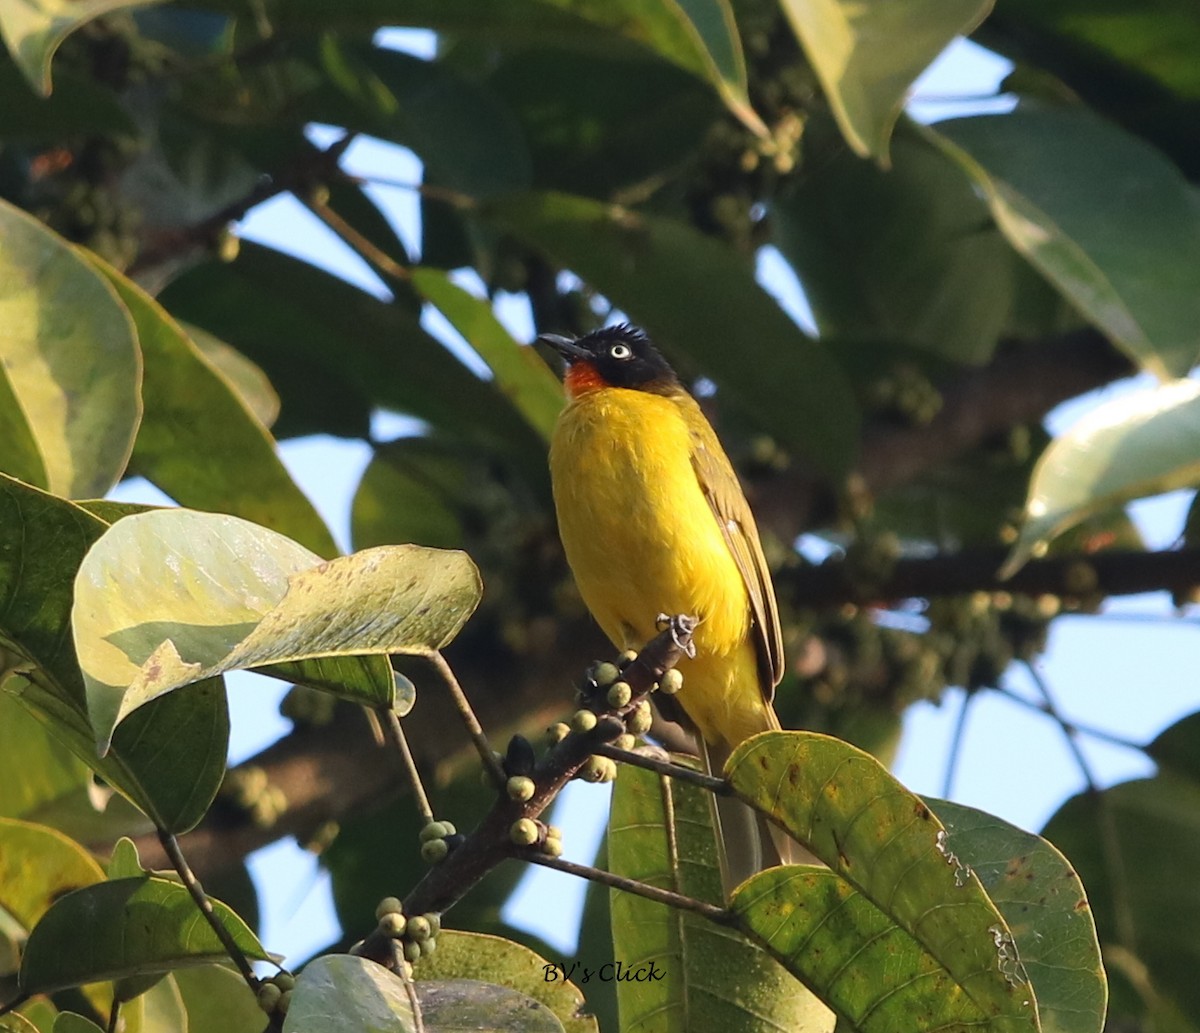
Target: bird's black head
x,y
616,356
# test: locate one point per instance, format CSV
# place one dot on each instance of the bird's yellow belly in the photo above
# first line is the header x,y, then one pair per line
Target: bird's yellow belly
x,y
642,540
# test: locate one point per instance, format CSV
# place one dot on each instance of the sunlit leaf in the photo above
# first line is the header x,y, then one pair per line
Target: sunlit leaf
x,y
126,927
519,371
169,759
71,374
199,442
340,993
892,935
1135,445
17,1023
170,597
70,1022
35,770
1102,215
867,55
470,1004
34,29
462,955
711,978
698,299
37,866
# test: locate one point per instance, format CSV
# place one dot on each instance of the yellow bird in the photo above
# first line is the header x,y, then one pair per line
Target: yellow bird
x,y
654,521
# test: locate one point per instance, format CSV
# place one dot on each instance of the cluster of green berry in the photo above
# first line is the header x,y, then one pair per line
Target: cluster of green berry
x,y
249,790
438,839
905,394
275,994
416,934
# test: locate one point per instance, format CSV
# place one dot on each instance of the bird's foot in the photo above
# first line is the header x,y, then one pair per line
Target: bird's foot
x,y
682,626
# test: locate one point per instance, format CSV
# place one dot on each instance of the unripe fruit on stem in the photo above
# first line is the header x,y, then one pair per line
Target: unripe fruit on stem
x,y
449,827
604,674
387,906
625,742
435,922
553,847
268,997
640,720
593,769
428,947
524,832
412,951
285,1002
434,830
284,980
557,732
393,924
626,658
583,721
435,850
671,682
419,929
619,694
521,788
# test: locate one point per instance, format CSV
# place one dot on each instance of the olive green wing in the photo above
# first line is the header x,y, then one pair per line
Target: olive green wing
x,y
720,485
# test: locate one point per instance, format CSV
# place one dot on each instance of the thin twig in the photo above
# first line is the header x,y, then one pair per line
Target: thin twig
x,y
396,730
410,988
456,198
114,1015
474,729
640,889
1069,730
1090,731
665,767
370,253
960,727
170,846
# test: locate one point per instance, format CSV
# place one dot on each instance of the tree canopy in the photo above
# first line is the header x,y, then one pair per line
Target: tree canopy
x,y
596,160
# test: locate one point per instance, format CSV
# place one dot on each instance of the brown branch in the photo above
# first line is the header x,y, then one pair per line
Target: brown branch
x,y
1102,573
490,843
1019,386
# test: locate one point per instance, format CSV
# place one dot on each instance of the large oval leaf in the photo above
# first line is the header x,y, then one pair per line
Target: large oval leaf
x,y
1041,898
170,758
170,597
1102,215
198,441
71,375
698,298
892,935
868,54
37,866
340,993
462,955
709,978
217,1000
1135,445
126,927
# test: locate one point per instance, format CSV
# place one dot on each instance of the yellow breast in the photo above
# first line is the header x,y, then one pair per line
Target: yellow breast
x,y
642,540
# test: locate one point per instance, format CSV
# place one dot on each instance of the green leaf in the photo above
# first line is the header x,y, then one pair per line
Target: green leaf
x,y
1128,843
892,936
867,55
1135,445
414,490
170,597
462,955
1102,215
519,371
17,1023
169,760
199,442
71,375
908,255
217,1000
335,349
37,866
36,772
34,29
247,379
1042,900
469,1004
70,1022
340,993
714,980
698,298
126,927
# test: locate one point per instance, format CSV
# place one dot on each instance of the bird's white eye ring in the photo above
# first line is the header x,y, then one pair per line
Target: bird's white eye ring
x,y
620,351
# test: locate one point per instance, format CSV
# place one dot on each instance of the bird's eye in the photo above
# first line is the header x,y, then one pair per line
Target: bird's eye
x,y
620,351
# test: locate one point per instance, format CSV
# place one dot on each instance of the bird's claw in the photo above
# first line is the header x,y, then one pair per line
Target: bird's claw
x,y
681,626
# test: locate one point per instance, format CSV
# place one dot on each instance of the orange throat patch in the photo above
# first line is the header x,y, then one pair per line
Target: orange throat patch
x,y
582,377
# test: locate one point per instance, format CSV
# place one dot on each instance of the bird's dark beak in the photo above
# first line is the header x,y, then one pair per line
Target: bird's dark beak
x,y
565,346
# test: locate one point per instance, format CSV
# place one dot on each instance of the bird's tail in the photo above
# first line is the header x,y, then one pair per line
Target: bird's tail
x,y
748,842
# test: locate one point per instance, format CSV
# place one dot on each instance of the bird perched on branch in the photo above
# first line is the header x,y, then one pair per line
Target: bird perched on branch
x,y
654,521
